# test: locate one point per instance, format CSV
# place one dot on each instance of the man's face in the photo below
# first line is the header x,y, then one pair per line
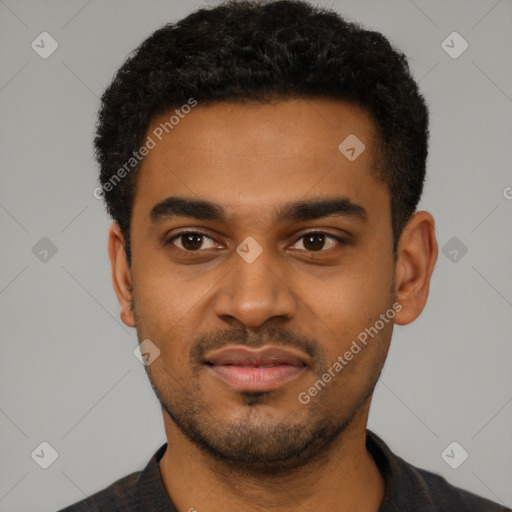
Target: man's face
x,y
311,295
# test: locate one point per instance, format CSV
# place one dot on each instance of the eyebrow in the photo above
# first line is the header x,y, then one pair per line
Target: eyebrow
x,y
296,211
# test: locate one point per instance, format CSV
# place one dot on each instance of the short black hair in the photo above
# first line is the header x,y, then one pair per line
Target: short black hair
x,y
264,51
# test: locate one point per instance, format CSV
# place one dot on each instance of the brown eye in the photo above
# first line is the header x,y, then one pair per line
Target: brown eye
x,y
190,241
316,241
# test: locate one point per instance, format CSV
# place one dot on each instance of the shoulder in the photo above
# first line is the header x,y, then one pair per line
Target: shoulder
x,y
116,497
410,488
134,492
447,497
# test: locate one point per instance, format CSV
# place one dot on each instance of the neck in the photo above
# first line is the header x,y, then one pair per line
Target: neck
x,y
345,478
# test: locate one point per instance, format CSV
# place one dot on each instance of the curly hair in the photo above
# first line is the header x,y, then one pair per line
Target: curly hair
x,y
264,51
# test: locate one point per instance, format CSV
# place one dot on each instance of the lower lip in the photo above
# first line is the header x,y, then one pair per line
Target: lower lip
x,y
251,378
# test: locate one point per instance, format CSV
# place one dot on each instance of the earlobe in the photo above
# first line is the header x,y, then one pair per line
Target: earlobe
x,y
121,274
416,257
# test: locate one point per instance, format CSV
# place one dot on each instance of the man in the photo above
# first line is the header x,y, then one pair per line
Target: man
x,y
263,163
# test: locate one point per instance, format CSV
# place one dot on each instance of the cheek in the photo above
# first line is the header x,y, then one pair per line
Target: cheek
x,y
353,300
356,359
163,294
165,315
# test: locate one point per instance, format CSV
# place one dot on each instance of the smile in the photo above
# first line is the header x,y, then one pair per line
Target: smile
x,y
256,370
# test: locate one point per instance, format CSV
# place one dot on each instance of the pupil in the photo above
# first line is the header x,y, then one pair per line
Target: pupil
x,y
310,240
192,241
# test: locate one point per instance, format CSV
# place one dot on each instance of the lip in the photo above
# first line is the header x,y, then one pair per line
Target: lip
x,y
261,369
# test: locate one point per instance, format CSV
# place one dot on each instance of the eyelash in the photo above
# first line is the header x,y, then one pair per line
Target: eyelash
x,y
340,240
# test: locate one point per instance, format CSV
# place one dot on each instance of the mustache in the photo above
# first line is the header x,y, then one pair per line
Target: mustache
x,y
272,335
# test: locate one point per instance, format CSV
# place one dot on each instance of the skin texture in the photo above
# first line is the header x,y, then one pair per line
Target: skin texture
x,y
268,451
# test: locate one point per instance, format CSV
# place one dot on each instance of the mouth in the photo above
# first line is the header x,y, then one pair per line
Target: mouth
x,y
262,369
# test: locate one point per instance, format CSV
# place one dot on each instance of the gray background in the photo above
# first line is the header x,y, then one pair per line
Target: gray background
x,y
68,373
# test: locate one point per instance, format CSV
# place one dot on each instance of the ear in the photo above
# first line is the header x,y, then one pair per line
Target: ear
x,y
416,257
121,274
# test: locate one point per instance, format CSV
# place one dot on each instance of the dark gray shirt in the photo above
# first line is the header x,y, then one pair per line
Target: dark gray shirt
x,y
408,489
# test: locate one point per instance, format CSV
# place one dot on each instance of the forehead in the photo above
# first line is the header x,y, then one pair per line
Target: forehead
x,y
255,155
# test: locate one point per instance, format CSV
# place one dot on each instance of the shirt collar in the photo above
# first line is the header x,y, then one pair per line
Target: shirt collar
x,y
150,493
402,482
405,487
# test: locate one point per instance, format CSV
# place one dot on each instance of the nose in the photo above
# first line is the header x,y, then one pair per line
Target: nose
x,y
252,293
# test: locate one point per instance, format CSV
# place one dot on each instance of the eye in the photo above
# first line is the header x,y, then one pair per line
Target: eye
x,y
190,241
315,241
